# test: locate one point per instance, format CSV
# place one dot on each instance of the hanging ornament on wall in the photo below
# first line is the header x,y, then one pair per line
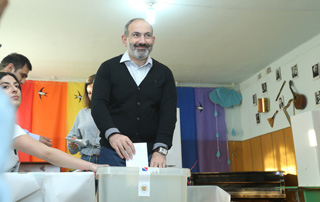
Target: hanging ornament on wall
x,y
225,98
217,132
233,132
229,162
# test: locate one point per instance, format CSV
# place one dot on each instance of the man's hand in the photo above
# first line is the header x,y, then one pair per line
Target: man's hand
x,y
45,141
158,160
122,145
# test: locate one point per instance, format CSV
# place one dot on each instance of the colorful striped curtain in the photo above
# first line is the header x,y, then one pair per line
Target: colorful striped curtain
x,y
211,133
203,131
49,112
24,113
188,128
49,109
74,104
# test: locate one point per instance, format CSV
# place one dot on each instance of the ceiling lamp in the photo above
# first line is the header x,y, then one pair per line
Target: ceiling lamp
x,y
150,13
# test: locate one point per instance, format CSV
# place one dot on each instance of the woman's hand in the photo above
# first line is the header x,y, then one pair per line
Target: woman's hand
x,y
96,166
73,145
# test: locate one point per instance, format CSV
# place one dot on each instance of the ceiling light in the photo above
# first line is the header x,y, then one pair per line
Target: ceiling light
x,y
150,13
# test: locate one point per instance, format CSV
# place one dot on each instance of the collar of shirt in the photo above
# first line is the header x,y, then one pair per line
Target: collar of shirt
x,y
126,58
137,73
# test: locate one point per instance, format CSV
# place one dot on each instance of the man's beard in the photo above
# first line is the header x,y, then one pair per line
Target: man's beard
x,y
139,54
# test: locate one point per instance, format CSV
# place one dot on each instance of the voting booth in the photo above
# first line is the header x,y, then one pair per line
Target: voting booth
x,y
174,157
306,136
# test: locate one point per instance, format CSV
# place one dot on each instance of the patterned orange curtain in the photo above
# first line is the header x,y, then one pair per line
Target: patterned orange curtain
x,y
49,109
24,113
49,112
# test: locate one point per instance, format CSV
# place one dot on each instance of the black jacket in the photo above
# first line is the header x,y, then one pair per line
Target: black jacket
x,y
144,113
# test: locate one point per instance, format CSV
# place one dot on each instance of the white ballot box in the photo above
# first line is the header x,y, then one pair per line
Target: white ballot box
x,y
123,184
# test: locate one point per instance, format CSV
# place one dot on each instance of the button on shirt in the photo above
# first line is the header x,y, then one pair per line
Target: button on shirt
x,y
137,73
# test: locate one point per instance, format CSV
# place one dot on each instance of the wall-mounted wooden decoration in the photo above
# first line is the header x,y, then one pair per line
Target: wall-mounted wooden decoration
x,y
263,105
271,120
299,100
284,82
285,110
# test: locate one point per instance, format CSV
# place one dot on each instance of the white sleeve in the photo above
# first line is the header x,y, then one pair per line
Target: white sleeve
x,y
18,131
34,136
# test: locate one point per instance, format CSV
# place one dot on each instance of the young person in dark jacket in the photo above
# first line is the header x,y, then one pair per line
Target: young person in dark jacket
x,y
134,100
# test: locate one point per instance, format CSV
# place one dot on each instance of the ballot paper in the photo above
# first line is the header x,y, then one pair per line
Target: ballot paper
x,y
80,142
140,159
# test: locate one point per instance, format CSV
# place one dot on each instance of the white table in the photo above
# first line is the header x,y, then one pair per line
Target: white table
x,y
51,187
207,193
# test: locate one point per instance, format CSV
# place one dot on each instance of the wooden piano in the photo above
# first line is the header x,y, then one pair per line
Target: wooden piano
x,y
245,185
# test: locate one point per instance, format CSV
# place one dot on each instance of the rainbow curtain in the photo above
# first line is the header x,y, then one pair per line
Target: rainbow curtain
x,y
49,109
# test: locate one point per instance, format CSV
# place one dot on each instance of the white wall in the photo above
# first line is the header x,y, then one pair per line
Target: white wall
x,y
233,121
305,56
174,157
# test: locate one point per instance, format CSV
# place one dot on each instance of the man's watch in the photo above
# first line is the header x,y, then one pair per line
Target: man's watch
x,y
162,151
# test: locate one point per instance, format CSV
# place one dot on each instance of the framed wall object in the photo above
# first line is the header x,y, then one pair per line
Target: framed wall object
x,y
281,102
258,118
263,105
254,99
264,87
278,74
259,76
315,71
317,98
268,70
294,71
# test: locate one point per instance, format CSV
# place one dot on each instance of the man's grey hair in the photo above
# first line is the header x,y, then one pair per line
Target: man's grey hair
x,y
126,28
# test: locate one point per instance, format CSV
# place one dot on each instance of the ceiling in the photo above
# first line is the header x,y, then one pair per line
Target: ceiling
x,y
202,41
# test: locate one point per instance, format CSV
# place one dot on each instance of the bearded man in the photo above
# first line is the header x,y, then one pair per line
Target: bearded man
x,y
134,100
